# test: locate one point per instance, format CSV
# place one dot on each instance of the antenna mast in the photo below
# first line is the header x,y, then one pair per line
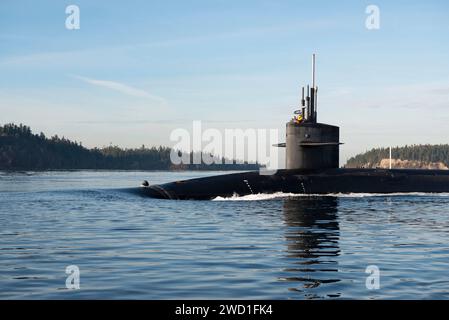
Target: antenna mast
x,y
309,99
313,71
313,93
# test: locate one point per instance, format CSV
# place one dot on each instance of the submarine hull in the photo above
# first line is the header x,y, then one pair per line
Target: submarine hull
x,y
301,181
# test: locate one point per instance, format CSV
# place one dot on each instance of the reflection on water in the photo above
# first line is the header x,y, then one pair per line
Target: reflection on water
x,y
312,236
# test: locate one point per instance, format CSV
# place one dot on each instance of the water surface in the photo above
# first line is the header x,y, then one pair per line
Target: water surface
x,y
260,247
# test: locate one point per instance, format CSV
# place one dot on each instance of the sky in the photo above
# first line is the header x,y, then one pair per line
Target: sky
x,y
137,70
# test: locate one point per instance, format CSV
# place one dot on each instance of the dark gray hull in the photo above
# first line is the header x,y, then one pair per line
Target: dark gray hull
x,y
323,181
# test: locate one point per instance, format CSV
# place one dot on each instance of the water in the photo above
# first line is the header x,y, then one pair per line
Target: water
x,y
283,247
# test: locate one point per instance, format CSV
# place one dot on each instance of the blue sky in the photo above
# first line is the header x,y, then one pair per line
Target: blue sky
x,y
136,70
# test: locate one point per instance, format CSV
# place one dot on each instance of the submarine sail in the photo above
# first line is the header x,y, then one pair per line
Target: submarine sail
x,y
311,145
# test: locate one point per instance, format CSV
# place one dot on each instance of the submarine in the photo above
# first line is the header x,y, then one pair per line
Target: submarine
x,y
312,168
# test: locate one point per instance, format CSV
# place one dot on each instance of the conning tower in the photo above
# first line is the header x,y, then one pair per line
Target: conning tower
x,y
309,144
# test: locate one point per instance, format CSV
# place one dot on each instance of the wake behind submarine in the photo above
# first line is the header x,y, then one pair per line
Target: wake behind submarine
x,y
312,167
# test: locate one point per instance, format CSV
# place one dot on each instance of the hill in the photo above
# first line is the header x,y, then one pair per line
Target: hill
x,y
20,149
410,157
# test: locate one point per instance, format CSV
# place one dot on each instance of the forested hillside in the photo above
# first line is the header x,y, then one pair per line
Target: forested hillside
x,y
425,155
20,149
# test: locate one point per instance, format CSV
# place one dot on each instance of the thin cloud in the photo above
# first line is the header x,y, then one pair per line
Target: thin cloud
x,y
401,96
122,88
441,90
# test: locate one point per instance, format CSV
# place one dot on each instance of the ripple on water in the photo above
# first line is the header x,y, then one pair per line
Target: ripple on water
x,y
278,246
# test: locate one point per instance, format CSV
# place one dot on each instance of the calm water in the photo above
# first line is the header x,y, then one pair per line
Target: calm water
x,y
131,247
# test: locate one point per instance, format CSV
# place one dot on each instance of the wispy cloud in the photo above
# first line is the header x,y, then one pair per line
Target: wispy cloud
x,y
413,96
444,90
121,87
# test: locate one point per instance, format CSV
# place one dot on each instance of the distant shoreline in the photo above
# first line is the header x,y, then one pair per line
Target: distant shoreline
x,y
22,150
425,156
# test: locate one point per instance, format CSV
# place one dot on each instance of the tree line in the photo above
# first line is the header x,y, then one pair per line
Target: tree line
x,y
20,149
423,153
